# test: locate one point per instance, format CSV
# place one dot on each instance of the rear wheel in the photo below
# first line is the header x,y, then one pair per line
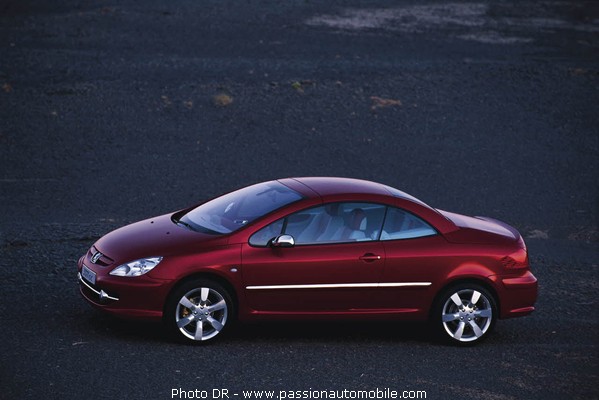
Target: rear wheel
x,y
465,314
198,311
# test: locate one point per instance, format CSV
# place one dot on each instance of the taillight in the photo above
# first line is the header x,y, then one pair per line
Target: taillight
x,y
516,260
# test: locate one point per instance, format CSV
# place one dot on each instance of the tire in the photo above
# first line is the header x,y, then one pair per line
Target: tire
x,y
199,311
464,314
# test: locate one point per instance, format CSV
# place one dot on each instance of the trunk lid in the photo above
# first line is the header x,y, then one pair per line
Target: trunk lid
x,y
482,230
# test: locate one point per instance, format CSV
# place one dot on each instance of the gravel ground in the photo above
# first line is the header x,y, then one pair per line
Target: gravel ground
x,y
114,112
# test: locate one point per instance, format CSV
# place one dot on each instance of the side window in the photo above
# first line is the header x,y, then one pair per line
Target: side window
x,y
400,224
262,237
331,223
305,225
336,223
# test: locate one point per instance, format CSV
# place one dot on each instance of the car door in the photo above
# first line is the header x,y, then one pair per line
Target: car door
x,y
334,266
414,262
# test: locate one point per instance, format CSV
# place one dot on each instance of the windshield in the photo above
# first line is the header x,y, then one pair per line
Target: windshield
x,y
232,211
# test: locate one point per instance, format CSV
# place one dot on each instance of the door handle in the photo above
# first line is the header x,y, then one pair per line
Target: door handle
x,y
370,257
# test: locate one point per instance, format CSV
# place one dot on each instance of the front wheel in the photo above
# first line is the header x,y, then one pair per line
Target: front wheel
x,y
465,314
198,311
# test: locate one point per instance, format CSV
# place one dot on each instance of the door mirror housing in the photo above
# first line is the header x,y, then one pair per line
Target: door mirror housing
x,y
283,241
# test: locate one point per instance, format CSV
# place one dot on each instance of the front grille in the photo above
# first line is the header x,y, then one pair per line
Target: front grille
x,y
103,261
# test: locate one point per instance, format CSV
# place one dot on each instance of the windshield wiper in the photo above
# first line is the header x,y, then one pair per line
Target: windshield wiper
x,y
179,222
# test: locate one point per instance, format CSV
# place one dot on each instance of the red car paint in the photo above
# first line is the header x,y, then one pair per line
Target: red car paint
x,y
358,279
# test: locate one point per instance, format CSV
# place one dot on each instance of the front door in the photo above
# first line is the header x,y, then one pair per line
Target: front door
x,y
312,278
334,266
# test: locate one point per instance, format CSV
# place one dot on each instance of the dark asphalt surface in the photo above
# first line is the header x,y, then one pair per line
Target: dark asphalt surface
x,y
107,116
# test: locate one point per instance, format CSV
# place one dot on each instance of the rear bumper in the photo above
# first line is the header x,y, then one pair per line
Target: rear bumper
x,y
526,281
517,293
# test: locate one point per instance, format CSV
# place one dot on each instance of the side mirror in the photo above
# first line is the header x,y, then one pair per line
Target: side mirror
x,y
283,241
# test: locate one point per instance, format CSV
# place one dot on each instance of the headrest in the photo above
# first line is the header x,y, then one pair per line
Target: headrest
x,y
357,220
332,209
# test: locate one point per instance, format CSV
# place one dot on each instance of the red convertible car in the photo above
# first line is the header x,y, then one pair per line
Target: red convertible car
x,y
312,248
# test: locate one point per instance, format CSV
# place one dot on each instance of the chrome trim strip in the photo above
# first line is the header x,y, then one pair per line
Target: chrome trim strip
x,y
102,294
402,284
341,285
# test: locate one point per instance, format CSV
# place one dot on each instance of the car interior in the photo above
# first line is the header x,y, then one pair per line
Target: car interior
x,y
345,222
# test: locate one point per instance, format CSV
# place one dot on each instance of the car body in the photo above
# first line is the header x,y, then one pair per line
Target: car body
x,y
312,248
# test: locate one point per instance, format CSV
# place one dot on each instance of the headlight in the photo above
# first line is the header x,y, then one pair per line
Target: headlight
x,y
137,267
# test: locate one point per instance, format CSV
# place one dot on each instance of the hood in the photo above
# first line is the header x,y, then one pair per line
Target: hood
x,y
158,236
481,230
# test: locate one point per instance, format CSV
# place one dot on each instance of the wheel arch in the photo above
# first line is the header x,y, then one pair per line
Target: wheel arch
x,y
208,276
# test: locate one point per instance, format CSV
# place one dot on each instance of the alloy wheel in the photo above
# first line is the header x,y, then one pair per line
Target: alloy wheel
x,y
467,314
201,313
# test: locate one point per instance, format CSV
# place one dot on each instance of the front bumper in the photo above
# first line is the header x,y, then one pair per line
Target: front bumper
x,y
140,297
103,297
